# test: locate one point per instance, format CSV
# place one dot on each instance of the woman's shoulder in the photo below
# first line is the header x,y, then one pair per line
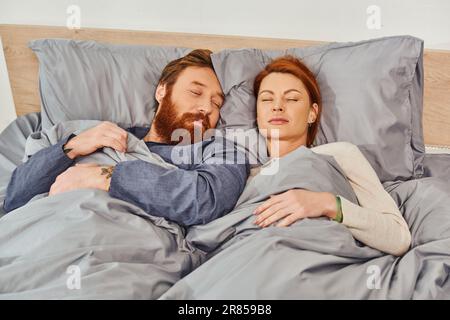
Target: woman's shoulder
x,y
336,148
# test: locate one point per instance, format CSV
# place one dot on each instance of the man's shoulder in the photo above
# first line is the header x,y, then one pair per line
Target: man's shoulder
x,y
139,132
223,149
220,143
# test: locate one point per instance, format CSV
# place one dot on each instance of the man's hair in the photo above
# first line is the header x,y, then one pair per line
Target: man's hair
x,y
196,58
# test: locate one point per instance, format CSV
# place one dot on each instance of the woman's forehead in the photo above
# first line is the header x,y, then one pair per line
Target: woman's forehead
x,y
277,81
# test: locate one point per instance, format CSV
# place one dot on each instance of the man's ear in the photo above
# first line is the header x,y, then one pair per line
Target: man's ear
x,y
160,92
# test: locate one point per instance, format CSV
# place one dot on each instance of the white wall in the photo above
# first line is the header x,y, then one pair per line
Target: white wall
x,y
340,20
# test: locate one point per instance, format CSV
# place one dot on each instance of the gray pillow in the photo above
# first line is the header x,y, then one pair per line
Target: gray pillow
x,y
437,165
372,95
87,80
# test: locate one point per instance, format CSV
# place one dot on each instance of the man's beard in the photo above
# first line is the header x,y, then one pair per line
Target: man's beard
x,y
168,120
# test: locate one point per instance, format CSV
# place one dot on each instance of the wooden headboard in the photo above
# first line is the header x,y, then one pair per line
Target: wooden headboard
x,y
23,65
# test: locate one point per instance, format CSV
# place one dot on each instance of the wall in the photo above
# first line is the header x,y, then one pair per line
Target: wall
x,y
7,109
344,20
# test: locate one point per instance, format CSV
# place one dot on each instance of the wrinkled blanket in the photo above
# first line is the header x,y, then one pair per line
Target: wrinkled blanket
x,y
85,244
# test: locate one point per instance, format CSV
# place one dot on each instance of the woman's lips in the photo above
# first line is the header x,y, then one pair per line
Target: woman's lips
x,y
278,121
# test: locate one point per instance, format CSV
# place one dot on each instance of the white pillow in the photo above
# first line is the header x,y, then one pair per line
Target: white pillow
x,y
436,149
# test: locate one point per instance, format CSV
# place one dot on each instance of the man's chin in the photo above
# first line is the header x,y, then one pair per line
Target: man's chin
x,y
197,132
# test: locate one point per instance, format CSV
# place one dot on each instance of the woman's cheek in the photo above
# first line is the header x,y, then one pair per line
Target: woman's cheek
x,y
260,116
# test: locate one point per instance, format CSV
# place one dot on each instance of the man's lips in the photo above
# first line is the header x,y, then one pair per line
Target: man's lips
x,y
198,122
278,121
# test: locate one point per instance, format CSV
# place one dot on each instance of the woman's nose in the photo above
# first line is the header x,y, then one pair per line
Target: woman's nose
x,y
277,107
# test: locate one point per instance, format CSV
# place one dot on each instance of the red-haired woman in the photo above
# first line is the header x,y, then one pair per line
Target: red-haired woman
x,y
288,99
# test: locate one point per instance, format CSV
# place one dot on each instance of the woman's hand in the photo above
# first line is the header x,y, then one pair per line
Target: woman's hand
x,y
106,134
290,206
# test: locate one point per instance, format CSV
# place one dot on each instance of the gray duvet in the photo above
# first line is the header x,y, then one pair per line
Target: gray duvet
x,y
318,259
122,252
117,249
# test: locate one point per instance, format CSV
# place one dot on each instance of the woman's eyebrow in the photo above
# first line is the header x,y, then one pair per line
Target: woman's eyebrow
x,y
286,92
290,90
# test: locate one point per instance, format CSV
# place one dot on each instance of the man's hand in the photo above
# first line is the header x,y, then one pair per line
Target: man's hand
x,y
89,175
106,134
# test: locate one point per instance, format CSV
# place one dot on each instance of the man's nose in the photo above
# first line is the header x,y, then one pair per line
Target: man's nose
x,y
204,108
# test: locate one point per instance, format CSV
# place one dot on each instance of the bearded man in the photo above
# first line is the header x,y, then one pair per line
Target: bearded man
x,y
203,186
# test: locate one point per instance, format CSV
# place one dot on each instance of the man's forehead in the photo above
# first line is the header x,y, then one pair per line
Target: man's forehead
x,y
203,77
201,74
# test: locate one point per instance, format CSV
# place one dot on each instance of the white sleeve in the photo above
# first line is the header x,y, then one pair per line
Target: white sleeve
x,y
377,222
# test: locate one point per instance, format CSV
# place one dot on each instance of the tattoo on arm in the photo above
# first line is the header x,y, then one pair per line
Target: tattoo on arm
x,y
108,171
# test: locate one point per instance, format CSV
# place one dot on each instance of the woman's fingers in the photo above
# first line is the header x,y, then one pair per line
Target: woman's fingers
x,y
267,204
270,211
288,220
280,214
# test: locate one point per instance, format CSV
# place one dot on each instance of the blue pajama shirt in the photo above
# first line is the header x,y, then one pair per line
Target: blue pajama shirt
x,y
205,185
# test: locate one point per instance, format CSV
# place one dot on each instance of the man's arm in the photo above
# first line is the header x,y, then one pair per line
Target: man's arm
x,y
36,175
196,195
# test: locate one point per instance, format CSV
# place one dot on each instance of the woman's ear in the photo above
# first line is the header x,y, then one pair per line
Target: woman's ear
x,y
160,92
313,111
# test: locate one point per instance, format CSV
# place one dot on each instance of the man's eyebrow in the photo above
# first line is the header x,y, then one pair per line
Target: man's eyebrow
x,y
220,94
198,83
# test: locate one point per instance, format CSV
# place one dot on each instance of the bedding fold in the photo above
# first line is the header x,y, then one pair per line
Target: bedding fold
x,y
116,249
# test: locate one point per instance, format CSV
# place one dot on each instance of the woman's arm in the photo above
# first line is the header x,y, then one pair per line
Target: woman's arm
x,y
377,222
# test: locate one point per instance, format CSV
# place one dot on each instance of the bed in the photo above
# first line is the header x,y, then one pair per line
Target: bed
x,y
112,250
